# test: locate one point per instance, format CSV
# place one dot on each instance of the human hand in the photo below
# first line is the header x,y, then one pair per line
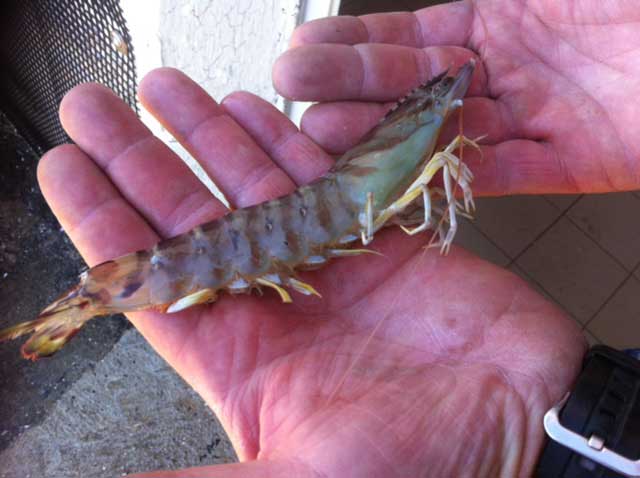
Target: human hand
x,y
556,90
411,364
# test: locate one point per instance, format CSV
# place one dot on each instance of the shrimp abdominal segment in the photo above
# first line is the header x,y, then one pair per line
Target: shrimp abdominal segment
x,y
384,180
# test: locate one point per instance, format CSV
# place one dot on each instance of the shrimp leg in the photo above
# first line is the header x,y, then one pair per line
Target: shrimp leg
x,y
451,166
426,223
284,295
302,287
366,221
451,201
203,296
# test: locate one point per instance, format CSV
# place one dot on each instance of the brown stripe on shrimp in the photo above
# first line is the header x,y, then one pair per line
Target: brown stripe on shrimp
x,y
263,246
258,258
315,229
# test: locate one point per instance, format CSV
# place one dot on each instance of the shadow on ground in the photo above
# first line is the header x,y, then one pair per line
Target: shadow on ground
x,y
37,262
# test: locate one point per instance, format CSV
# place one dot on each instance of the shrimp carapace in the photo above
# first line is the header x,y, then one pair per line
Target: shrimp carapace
x,y
386,179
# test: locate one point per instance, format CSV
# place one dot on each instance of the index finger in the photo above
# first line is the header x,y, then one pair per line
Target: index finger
x,y
146,172
448,24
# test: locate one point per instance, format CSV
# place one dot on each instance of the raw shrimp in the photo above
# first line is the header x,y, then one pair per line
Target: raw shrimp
x,y
377,183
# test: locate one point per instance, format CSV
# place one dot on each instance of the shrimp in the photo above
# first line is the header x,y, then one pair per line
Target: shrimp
x,y
377,183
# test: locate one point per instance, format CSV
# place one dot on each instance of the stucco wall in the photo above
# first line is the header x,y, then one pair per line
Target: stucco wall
x,y
227,45
224,45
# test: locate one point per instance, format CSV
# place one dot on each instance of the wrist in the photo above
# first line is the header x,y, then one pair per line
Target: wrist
x,y
594,428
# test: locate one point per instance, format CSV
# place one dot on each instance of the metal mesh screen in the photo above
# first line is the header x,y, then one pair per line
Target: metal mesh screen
x,y
48,47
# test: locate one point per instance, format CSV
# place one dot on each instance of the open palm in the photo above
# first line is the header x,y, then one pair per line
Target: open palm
x,y
556,90
411,364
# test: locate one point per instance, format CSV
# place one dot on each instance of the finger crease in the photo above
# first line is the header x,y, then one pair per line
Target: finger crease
x,y
422,64
255,177
508,121
500,174
94,210
180,216
281,142
109,163
188,136
552,154
418,31
363,76
366,30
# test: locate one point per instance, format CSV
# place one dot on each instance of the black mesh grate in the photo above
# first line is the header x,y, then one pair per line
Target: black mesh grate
x,y
47,48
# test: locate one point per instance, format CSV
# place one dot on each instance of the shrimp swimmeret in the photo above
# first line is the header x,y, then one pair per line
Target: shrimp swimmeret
x,y
377,183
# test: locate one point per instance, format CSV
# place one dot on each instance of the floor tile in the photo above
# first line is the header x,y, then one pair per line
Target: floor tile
x,y
413,5
518,270
538,288
592,339
618,323
572,269
562,201
473,240
363,7
611,221
513,222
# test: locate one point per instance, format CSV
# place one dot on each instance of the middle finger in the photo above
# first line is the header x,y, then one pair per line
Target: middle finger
x,y
238,166
366,72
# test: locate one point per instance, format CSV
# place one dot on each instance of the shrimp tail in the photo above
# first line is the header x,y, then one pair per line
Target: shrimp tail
x,y
54,327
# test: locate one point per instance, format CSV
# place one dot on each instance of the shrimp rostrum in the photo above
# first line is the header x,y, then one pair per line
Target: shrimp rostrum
x,y
386,179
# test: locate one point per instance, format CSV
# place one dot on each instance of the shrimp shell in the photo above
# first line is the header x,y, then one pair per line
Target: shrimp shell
x,y
263,245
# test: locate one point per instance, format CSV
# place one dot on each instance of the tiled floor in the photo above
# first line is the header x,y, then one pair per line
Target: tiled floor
x,y
581,252
359,7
